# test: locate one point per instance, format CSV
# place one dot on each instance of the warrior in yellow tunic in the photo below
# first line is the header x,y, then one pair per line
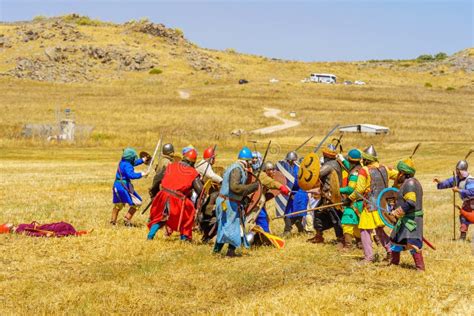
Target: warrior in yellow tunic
x,y
371,180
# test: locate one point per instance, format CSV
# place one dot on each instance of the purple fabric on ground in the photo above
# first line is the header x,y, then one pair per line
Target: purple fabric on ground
x,y
35,229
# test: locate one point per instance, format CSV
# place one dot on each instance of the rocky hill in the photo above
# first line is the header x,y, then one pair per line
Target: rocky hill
x,y
74,48
62,49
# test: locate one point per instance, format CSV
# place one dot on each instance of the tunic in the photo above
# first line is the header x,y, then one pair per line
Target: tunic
x,y
173,204
371,180
229,213
123,188
409,228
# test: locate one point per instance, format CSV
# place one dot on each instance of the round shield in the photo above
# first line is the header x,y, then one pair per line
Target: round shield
x,y
385,204
144,154
278,176
255,197
308,174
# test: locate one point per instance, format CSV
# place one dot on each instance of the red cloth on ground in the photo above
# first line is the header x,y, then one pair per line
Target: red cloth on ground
x,y
178,179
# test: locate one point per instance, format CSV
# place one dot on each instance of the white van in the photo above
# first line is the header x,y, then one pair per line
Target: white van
x,y
323,78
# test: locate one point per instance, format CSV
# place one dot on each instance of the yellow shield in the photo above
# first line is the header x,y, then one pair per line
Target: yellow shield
x,y
308,174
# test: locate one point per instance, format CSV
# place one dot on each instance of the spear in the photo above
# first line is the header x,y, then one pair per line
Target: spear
x,y
468,154
415,150
304,143
454,207
309,210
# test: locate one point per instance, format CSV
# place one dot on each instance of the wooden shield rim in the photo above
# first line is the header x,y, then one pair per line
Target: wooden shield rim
x,y
255,198
382,205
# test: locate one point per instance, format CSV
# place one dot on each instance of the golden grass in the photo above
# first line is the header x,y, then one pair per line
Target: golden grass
x,y
114,270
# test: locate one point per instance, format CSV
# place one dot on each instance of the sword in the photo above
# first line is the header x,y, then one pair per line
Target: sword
x,y
326,137
147,206
429,244
151,164
309,210
158,145
263,160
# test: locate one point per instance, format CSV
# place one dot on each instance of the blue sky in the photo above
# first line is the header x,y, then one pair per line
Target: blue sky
x,y
299,30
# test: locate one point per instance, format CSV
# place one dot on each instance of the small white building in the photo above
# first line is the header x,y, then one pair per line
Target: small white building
x,y
364,128
323,78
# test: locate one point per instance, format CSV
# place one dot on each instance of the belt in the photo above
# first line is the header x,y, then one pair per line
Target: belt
x,y
177,194
230,199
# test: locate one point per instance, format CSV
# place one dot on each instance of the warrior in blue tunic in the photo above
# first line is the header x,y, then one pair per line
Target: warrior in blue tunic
x,y
298,200
123,191
229,209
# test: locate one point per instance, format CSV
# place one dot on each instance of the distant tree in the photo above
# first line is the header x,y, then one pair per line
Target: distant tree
x,y
425,57
440,56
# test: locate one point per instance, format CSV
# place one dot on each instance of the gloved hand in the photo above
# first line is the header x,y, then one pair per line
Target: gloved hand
x,y
144,174
398,213
340,157
284,190
346,202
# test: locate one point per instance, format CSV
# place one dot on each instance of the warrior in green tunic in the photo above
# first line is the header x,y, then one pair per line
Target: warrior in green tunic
x,y
350,216
408,231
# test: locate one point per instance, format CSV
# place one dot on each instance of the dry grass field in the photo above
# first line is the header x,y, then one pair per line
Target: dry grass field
x,y
114,270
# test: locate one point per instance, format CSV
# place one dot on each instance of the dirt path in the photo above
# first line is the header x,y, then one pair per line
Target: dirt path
x,y
269,112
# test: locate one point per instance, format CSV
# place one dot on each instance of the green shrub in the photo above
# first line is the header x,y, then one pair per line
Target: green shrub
x,y
440,56
39,18
81,20
155,71
428,85
450,89
230,51
179,32
425,57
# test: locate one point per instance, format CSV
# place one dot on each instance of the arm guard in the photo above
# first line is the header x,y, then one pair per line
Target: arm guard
x,y
241,189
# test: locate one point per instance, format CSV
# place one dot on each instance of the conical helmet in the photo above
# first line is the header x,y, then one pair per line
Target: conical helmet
x,y
462,165
370,153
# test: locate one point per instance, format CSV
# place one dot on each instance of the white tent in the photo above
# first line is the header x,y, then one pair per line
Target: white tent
x,y
364,128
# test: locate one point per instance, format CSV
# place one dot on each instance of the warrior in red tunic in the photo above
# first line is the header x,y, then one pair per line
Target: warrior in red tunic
x,y
172,206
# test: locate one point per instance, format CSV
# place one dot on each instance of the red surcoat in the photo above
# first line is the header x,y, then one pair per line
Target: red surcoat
x,y
172,204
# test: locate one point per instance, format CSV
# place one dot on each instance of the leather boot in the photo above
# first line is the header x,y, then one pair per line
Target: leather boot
x,y
463,236
395,258
345,242
115,212
358,243
128,217
317,239
419,262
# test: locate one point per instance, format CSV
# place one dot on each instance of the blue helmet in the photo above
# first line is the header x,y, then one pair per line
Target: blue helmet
x,y
245,154
354,155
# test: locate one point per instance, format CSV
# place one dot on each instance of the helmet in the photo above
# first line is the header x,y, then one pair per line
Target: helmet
x,y
245,154
462,165
291,156
129,154
406,166
330,151
258,160
209,152
167,149
370,153
268,166
354,155
190,155
187,148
